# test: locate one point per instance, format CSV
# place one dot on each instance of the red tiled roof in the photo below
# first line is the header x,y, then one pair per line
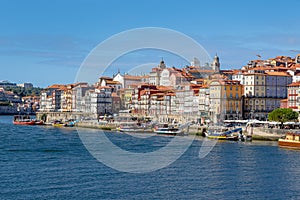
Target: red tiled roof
x,y
130,77
57,86
278,74
294,84
112,82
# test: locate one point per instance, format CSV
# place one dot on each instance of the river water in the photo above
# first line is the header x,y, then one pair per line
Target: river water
x,y
39,162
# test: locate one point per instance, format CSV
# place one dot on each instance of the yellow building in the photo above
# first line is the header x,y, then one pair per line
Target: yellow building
x,y
225,100
67,101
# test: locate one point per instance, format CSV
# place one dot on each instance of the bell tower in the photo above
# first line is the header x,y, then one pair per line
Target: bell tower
x,y
162,64
216,64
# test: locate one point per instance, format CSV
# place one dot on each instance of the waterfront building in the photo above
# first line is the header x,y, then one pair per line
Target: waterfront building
x,y
68,93
187,102
263,91
78,93
204,103
116,103
255,93
140,98
276,88
50,99
225,100
57,99
101,101
162,105
294,96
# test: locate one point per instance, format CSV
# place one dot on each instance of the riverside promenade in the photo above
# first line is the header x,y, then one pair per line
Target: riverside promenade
x,y
262,133
86,120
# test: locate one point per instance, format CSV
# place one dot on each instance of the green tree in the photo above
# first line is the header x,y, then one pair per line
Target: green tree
x,y
20,91
283,115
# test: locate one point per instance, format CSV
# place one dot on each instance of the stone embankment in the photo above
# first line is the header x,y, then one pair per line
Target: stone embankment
x,y
262,133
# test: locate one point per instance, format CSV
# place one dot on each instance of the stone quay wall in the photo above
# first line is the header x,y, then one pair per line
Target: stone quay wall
x,y
64,116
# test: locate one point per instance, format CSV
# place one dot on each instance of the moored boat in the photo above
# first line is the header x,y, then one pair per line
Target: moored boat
x,y
226,135
38,122
134,127
171,129
23,120
58,123
291,140
168,131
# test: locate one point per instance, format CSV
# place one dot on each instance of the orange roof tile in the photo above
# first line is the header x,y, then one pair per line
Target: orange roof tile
x,y
112,82
278,74
294,84
130,77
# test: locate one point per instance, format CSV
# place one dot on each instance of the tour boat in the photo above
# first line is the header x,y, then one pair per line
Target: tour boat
x,y
23,120
134,127
171,129
291,140
168,131
226,135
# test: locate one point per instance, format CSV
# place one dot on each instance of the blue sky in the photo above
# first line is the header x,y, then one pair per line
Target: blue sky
x,y
44,42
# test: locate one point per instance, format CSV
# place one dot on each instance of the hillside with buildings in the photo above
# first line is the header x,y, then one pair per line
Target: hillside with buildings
x,y
18,98
192,93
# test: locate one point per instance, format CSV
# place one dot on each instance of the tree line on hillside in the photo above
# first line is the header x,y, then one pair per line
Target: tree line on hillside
x,y
22,92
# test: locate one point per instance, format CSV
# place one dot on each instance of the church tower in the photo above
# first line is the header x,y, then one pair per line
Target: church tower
x,y
162,64
216,64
